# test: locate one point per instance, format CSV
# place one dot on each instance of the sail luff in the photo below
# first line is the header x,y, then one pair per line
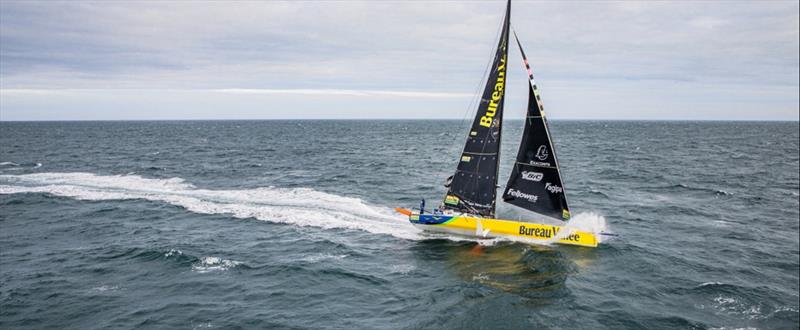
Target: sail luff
x,y
535,183
473,188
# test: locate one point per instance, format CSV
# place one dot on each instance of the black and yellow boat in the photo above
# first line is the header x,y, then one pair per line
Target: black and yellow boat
x,y
535,183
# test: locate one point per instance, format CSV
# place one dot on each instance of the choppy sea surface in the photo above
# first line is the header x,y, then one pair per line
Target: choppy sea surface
x,y
289,224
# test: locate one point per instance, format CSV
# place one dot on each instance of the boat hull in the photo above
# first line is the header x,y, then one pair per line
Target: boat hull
x,y
514,230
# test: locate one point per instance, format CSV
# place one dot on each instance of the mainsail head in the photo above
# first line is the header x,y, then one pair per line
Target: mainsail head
x,y
535,182
473,188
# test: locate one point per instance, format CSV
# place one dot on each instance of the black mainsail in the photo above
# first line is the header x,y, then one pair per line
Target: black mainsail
x,y
473,188
535,183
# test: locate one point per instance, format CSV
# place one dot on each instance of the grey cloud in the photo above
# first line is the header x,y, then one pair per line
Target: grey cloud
x,y
430,46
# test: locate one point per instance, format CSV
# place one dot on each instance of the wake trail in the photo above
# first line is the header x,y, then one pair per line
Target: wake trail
x,y
296,206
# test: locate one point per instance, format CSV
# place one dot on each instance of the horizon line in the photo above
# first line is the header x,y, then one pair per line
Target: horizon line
x,y
397,119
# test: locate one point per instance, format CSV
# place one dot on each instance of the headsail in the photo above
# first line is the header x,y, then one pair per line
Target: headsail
x,y
535,183
474,185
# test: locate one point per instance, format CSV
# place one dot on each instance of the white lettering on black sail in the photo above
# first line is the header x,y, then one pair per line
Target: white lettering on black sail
x,y
474,185
535,172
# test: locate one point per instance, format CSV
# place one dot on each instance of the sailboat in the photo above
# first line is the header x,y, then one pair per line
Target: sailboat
x,y
535,182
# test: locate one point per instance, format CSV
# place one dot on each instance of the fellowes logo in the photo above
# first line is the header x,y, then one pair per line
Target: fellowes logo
x,y
518,194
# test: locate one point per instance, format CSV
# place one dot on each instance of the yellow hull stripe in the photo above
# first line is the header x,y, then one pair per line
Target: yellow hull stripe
x,y
523,230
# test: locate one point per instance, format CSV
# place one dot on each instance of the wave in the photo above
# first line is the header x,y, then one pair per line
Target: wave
x,y
104,288
297,206
684,187
210,264
178,258
12,166
322,257
750,303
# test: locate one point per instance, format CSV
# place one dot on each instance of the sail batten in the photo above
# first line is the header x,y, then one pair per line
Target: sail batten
x,y
535,183
473,188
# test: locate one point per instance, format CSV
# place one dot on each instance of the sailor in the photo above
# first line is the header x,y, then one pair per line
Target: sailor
x,y
422,206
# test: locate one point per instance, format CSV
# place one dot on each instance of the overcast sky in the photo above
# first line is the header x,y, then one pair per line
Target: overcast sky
x,y
78,60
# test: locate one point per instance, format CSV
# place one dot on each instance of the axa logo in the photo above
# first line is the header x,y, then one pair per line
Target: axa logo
x,y
541,153
532,176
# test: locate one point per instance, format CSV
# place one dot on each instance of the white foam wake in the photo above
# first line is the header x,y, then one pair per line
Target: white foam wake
x,y
297,206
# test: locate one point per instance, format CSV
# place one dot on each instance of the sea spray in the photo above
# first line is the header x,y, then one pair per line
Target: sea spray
x,y
585,221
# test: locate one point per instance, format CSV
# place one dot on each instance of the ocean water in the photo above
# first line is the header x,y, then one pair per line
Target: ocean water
x,y
289,224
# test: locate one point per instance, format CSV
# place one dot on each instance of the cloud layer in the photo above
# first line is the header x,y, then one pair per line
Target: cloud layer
x,y
635,60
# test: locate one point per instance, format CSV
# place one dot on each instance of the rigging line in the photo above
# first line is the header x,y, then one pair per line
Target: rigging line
x,y
477,94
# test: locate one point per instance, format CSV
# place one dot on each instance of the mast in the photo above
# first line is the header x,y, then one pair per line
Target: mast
x,y
473,188
535,183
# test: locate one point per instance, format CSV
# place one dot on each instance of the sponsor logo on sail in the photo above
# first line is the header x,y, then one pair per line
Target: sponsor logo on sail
x,y
466,158
553,189
451,200
518,194
532,176
541,153
475,205
488,118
